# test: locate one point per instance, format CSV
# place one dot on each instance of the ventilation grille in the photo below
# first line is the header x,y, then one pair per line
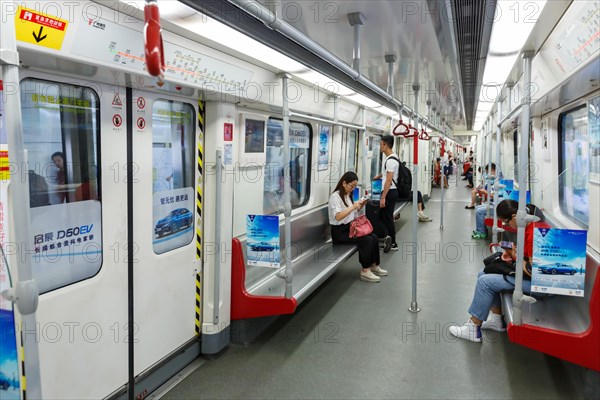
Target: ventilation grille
x,y
473,23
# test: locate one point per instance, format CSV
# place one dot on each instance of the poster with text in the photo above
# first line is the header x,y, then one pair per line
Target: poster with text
x,y
323,148
558,265
263,240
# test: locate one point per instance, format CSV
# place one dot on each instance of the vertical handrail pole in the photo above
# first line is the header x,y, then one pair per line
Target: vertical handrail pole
x,y
497,184
365,179
490,160
217,256
19,201
442,188
414,307
523,165
287,204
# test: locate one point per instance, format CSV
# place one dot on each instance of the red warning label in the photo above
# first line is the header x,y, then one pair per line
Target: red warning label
x,y
141,123
117,120
141,103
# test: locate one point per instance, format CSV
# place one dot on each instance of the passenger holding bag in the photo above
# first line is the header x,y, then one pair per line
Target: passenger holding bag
x,y
343,211
497,276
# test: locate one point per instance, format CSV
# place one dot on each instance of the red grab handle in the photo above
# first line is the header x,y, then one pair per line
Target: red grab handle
x,y
153,43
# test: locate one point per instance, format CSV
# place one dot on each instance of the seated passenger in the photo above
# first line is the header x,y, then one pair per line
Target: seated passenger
x,y
342,211
485,309
38,191
481,190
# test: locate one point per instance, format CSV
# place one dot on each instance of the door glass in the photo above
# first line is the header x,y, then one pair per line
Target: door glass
x,y
61,132
172,175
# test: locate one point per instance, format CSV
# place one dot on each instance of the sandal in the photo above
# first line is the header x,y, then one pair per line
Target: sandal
x,y
469,207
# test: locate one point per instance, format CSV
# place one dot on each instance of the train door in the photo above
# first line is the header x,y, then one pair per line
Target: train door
x,y
75,137
164,222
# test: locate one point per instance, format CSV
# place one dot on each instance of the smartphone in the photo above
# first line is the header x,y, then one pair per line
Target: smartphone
x,y
506,245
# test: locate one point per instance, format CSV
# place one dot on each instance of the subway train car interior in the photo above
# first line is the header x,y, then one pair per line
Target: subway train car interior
x,y
252,199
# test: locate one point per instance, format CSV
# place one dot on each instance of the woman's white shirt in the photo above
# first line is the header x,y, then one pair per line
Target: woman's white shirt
x,y
336,205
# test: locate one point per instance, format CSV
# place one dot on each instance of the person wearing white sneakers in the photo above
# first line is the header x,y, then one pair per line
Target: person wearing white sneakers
x,y
342,211
485,309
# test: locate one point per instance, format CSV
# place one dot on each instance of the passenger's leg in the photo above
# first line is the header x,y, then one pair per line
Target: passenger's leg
x,y
480,231
387,214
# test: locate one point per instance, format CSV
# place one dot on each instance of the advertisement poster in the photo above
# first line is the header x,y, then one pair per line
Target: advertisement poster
x,y
263,240
323,148
67,241
558,265
9,361
594,132
173,219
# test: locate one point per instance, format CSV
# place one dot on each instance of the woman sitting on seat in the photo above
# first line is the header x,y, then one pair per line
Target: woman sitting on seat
x,y
342,211
485,309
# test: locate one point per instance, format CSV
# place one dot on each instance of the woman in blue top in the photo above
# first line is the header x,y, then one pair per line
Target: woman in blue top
x,y
342,211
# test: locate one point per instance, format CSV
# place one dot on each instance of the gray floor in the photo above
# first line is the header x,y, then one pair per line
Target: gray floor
x,y
357,340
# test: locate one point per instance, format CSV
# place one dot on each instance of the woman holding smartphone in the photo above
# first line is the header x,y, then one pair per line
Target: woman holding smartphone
x,y
485,309
342,211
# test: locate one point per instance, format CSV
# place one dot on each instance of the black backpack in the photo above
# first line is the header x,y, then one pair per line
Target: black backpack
x,y
404,183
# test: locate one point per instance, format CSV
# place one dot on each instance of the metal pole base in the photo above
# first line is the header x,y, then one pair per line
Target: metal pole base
x,y
414,307
441,227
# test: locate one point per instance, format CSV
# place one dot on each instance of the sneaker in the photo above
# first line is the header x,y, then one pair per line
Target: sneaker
x,y
369,276
468,331
494,322
469,207
394,247
379,271
478,235
387,244
423,217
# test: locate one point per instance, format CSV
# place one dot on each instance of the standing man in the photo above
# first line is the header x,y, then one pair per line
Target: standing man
x,y
389,193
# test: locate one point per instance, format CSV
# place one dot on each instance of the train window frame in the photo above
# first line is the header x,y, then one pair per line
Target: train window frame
x,y
168,201
73,195
352,149
272,197
583,108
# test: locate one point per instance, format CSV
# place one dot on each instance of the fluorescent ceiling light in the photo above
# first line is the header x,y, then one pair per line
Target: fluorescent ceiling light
x,y
513,23
323,82
363,100
169,9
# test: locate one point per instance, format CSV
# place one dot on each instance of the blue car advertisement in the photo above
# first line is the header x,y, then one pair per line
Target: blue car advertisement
x,y
263,240
558,265
173,213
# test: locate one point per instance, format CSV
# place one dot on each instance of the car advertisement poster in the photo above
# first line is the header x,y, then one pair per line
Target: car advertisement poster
x,y
173,219
558,265
324,148
9,361
263,240
67,243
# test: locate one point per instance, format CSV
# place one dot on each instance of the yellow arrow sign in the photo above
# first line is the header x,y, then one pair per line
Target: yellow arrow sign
x,y
43,30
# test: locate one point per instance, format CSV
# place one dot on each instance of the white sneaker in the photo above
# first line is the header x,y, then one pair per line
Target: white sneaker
x,y
377,270
494,322
423,217
369,276
468,331
387,244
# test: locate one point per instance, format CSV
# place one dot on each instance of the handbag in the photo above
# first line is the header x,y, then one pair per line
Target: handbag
x,y
494,264
360,227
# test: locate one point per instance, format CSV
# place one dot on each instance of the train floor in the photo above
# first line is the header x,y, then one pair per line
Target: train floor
x,y
358,340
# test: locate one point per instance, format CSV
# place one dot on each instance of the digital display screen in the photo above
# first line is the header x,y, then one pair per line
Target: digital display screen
x,y
255,136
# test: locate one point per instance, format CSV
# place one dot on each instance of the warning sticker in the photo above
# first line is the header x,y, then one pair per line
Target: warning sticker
x,y
43,30
141,123
117,100
117,120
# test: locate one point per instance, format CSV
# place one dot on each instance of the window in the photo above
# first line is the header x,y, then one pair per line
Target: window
x,y
61,133
573,165
376,159
172,175
351,148
300,140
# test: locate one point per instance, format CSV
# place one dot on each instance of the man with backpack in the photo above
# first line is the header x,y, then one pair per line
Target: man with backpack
x,y
389,190
401,179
